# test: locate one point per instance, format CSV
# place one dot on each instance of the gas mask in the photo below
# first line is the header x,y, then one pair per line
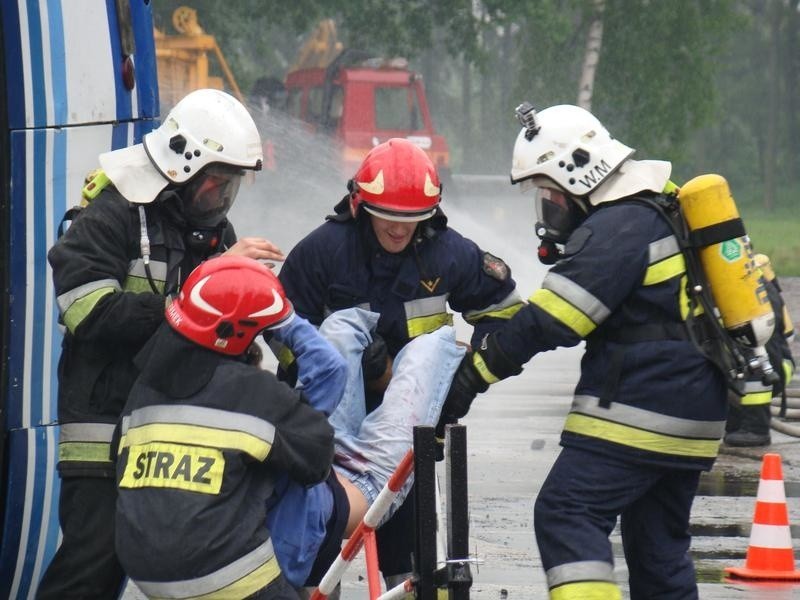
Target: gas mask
x,y
559,215
206,199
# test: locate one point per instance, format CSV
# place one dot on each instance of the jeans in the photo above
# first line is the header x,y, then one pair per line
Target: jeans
x,y
369,447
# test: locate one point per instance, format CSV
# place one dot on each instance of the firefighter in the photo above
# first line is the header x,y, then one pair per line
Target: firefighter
x,y
157,210
749,417
210,443
649,409
388,248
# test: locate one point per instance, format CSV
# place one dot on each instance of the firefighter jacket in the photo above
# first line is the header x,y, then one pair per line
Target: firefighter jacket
x,y
109,310
645,392
341,265
203,439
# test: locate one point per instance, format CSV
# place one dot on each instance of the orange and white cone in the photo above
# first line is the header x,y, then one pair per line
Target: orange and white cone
x,y
770,554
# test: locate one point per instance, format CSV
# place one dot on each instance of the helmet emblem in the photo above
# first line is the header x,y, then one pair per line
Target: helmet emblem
x,y
272,309
430,190
198,300
375,186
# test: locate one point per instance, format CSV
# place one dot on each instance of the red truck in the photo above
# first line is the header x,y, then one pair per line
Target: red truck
x,y
362,102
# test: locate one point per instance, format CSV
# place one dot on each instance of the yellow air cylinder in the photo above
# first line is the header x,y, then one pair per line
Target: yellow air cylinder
x,y
737,286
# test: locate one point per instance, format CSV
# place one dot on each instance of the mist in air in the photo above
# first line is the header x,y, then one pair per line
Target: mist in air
x,y
303,179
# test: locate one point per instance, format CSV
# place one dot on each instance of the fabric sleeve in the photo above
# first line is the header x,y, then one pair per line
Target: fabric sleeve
x,y
90,264
322,371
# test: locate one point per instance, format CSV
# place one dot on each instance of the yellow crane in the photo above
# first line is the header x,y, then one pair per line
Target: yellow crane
x,y
183,60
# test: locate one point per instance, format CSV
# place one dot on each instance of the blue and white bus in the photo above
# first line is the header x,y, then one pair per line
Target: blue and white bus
x,y
77,78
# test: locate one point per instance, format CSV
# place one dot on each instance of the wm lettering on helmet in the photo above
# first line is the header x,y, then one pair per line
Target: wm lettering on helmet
x,y
159,465
596,174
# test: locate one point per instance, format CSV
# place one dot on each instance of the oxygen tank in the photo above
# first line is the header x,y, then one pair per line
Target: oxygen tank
x,y
736,284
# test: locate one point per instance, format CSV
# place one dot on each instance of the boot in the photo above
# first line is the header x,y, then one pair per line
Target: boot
x,y
753,428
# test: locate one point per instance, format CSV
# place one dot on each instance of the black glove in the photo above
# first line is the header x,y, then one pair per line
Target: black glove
x,y
467,383
375,358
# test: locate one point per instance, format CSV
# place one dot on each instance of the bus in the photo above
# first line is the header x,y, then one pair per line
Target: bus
x,y
77,78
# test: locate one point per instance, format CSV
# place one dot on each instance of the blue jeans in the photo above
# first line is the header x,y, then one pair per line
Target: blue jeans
x,y
369,447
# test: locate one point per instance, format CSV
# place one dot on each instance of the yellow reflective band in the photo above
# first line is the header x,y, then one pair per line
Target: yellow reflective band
x,y
502,313
138,285
788,326
79,309
245,587
563,311
191,468
639,438
586,590
788,371
480,366
285,357
419,325
210,437
683,300
664,270
757,398
84,451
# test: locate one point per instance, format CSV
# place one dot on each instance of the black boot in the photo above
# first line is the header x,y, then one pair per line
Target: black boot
x,y
753,427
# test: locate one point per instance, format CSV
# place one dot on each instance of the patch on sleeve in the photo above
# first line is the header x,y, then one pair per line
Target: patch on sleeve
x,y
495,267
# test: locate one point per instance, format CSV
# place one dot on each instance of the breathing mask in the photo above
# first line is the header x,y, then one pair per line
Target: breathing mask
x,y
207,198
559,215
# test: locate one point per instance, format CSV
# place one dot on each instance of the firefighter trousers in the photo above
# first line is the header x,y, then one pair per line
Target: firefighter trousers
x,y
577,509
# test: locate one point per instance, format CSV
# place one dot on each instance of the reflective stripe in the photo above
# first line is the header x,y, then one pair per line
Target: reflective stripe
x,y
193,425
85,442
239,579
788,370
756,393
84,452
563,311
664,248
86,432
586,590
424,315
136,281
505,309
596,570
483,369
76,304
638,438
577,296
648,420
665,261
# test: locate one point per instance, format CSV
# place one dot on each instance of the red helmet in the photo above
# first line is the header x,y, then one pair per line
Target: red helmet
x,y
397,181
226,302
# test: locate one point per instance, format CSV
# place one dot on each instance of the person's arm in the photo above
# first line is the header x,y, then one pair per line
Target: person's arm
x,y
321,370
90,272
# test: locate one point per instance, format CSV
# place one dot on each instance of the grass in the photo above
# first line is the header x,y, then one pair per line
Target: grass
x,y
776,234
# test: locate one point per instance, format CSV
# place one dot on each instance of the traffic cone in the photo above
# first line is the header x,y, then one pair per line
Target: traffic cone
x,y
770,554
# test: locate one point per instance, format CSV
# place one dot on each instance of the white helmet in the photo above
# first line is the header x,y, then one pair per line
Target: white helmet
x,y
568,146
206,127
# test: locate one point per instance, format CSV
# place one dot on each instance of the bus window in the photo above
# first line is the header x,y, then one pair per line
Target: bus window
x,y
314,104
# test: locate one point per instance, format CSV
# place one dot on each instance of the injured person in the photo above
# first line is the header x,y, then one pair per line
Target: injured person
x,y
224,475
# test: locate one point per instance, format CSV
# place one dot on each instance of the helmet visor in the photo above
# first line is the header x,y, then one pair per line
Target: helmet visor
x,y
558,214
208,197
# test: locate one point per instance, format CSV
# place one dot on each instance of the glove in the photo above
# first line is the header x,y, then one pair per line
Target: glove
x,y
375,359
467,383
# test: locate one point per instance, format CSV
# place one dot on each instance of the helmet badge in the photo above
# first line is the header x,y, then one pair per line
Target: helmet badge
x,y
375,186
198,300
431,190
272,309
